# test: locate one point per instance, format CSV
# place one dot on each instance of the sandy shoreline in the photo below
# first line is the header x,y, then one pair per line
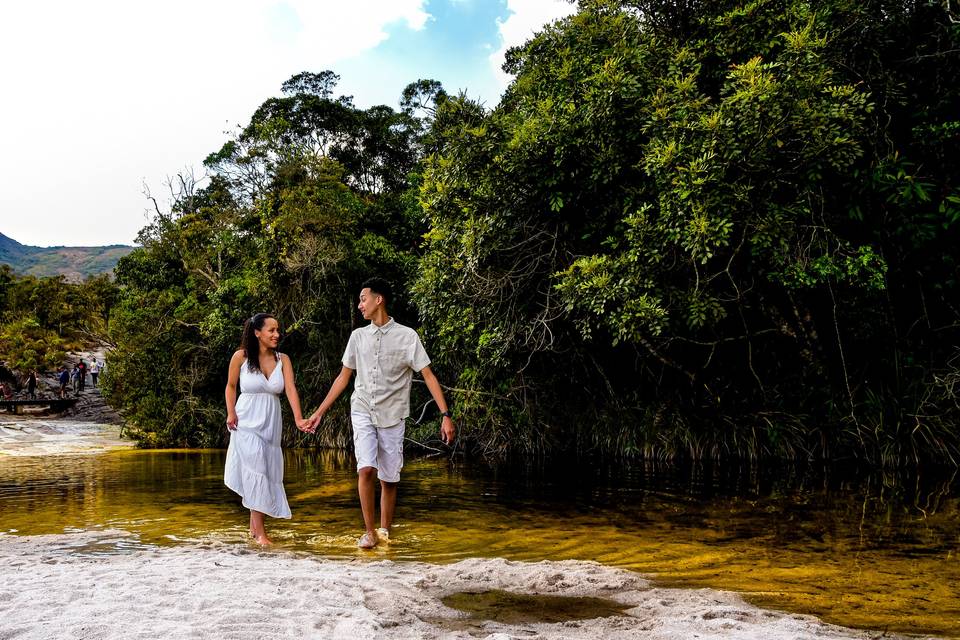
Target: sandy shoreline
x,y
61,586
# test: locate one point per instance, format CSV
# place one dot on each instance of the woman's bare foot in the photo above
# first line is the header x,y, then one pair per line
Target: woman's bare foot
x,y
263,540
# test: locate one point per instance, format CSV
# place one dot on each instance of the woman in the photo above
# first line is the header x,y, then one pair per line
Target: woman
x,y
254,467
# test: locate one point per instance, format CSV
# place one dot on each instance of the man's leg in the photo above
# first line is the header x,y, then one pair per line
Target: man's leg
x,y
388,503
390,462
365,449
367,488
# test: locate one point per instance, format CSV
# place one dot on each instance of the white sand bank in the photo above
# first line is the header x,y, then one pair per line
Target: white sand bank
x,y
60,587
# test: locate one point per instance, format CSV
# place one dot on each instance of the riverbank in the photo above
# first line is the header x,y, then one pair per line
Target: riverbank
x,y
90,426
91,405
60,586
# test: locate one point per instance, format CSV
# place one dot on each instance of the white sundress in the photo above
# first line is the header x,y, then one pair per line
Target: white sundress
x,y
254,467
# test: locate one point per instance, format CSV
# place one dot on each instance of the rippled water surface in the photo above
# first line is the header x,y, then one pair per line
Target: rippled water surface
x,y
875,552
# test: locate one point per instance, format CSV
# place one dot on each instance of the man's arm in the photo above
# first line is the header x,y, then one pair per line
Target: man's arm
x,y
339,385
448,430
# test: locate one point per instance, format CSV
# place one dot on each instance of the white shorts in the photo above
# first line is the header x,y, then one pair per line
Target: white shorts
x,y
381,449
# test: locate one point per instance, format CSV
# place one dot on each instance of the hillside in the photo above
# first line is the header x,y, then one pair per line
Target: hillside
x,y
76,263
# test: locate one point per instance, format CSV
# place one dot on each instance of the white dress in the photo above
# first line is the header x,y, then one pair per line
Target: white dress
x,y
254,466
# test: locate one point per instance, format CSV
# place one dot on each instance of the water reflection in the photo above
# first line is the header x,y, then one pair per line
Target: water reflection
x,y
878,551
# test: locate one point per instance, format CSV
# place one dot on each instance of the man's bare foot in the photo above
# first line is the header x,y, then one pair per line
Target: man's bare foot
x,y
368,540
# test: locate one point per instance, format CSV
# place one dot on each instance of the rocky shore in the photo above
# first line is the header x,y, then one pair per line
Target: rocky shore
x,y
91,425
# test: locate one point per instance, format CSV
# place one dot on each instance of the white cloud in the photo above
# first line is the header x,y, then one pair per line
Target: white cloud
x,y
526,18
337,30
100,95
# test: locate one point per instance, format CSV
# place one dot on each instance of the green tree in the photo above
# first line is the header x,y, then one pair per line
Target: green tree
x,y
306,201
675,233
25,346
76,313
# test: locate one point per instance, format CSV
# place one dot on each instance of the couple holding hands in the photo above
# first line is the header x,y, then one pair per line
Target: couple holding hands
x,y
384,355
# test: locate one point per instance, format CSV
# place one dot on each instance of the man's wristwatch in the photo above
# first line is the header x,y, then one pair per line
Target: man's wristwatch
x,y
447,414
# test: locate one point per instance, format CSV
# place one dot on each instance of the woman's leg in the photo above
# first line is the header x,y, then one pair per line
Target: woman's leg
x,y
257,529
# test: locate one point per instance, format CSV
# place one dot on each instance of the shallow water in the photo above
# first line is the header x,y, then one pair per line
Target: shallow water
x,y
874,552
518,608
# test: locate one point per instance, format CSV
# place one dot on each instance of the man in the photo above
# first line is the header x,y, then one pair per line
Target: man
x,y
384,354
63,377
81,376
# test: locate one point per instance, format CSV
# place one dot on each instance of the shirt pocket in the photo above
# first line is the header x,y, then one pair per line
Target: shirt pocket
x,y
394,362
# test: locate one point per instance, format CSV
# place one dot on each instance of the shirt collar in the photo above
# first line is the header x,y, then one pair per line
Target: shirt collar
x,y
372,328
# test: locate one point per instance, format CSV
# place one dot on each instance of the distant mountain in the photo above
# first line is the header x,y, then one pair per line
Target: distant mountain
x,y
76,263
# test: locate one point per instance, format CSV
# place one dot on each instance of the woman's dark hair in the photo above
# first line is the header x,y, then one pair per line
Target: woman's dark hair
x,y
380,287
249,342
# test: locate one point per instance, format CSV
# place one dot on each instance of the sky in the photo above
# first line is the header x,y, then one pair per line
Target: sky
x,y
102,99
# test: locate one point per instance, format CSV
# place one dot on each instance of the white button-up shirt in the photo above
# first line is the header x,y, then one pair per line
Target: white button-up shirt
x,y
384,359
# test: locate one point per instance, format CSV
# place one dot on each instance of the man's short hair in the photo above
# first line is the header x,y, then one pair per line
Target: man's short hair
x,y
380,287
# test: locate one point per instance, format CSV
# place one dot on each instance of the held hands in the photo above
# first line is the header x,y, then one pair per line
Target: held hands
x,y
309,425
315,420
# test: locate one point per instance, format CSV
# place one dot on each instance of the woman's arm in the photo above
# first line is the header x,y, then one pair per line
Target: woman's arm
x,y
230,393
290,387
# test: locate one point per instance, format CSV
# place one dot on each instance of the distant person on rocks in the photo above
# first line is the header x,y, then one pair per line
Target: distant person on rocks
x,y
254,466
63,377
94,372
75,379
32,384
385,354
7,391
82,375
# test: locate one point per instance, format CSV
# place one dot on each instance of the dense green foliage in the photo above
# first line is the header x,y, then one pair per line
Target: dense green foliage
x,y
305,202
723,227
76,263
689,228
44,317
